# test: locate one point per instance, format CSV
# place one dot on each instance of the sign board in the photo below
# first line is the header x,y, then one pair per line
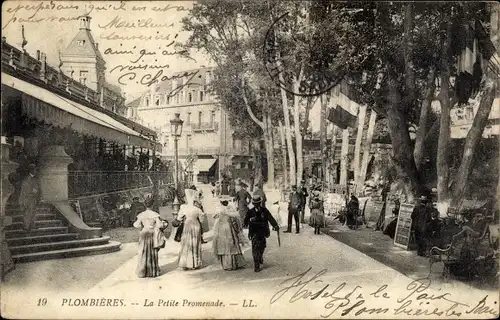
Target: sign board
x,y
373,210
403,228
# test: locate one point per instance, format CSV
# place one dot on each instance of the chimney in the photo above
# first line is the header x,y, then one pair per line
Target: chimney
x,y
38,55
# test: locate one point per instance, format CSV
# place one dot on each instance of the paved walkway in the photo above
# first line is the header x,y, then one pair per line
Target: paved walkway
x,y
381,248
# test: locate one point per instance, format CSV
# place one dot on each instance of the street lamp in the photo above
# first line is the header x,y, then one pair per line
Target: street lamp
x,y
176,131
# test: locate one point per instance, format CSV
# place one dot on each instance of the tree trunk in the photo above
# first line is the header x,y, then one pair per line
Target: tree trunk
x,y
357,147
298,135
258,162
288,135
443,152
418,152
473,137
401,143
344,157
367,148
283,152
270,152
322,133
333,176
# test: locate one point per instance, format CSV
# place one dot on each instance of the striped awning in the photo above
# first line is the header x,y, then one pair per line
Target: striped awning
x,y
44,105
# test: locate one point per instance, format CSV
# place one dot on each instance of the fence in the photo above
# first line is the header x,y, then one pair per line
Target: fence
x,y
85,183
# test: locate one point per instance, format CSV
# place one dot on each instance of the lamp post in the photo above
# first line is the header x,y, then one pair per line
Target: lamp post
x,y
176,131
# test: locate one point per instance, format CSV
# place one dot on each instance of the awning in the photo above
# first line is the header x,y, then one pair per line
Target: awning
x,y
204,165
44,105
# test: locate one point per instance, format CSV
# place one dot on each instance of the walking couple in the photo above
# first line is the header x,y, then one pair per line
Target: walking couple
x,y
228,234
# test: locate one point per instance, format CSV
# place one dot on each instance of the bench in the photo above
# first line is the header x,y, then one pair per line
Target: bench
x,y
481,255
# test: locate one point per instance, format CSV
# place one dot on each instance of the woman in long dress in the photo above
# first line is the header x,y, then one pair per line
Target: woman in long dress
x,y
151,239
227,237
317,211
190,253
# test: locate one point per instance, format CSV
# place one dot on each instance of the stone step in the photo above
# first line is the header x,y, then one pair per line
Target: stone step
x,y
48,223
41,239
59,245
38,217
111,246
35,232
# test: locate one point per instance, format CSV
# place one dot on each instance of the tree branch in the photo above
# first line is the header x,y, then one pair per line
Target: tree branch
x,y
249,109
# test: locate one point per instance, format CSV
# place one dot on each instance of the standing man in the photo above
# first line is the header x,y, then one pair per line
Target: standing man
x,y
257,220
243,198
303,196
29,196
420,218
294,207
258,191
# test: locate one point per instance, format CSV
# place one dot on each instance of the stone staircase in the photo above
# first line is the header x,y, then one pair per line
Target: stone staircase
x,y
50,238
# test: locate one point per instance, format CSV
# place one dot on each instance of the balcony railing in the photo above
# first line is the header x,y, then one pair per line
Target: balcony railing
x,y
85,183
205,126
55,80
199,151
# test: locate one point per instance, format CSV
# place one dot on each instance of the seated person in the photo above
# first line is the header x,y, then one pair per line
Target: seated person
x,y
433,231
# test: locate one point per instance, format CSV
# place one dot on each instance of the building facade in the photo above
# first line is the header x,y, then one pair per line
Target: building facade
x,y
83,62
207,148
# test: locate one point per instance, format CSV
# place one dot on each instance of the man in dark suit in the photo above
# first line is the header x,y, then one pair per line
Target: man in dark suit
x,y
420,217
29,196
294,207
242,198
258,191
303,195
257,220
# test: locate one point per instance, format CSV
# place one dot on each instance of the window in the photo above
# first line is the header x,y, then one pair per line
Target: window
x,y
200,115
208,76
188,120
147,102
212,117
157,101
470,113
81,43
83,77
190,97
201,95
167,98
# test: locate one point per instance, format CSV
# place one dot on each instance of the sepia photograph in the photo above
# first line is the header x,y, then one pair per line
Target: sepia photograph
x,y
250,159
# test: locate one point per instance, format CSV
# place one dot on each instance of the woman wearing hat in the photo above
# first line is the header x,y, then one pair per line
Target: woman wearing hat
x,y
190,253
226,238
151,239
317,210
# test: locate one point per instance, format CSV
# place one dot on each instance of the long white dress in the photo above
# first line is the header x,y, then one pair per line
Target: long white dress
x,y
190,253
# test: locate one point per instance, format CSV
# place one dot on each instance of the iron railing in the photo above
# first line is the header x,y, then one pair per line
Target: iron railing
x,y
85,183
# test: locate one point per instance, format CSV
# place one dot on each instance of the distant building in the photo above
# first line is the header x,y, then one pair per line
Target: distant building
x,y
83,62
207,146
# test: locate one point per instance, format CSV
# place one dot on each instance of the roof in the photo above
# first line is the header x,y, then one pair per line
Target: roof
x,y
88,49
198,79
134,103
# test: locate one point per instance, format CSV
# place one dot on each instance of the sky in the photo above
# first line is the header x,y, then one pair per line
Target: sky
x,y
48,27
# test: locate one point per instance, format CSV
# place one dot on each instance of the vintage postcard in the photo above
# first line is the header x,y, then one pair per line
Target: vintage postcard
x,y
240,159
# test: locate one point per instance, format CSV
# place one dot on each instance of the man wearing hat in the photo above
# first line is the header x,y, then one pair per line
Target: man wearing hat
x,y
258,191
257,220
303,196
242,198
294,207
29,196
420,217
